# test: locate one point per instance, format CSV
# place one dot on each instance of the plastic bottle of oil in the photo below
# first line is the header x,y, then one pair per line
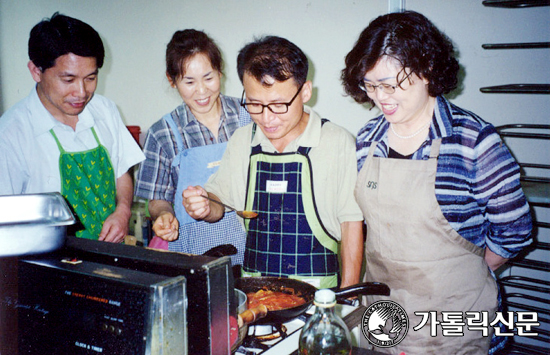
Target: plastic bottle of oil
x,y
325,333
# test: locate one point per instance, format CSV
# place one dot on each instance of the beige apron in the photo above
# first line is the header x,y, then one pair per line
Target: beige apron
x,y
411,247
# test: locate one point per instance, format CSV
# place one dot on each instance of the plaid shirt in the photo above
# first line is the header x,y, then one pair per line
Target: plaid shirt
x,y
157,179
477,179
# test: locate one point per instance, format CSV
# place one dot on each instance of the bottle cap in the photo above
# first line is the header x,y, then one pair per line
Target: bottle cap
x,y
325,298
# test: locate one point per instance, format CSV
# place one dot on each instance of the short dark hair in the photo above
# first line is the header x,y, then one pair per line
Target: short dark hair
x,y
411,39
275,57
184,45
60,35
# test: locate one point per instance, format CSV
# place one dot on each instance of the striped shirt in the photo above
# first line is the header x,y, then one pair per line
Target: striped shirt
x,y
477,179
157,179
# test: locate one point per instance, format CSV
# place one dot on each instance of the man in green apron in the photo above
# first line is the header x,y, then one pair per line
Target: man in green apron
x,y
64,138
291,167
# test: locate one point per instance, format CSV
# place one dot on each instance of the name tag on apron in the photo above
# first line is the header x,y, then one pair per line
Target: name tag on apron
x,y
213,164
276,186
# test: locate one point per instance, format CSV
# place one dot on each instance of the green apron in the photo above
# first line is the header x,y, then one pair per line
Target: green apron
x,y
88,184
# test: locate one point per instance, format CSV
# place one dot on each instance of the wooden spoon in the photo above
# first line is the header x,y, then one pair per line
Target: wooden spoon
x,y
243,214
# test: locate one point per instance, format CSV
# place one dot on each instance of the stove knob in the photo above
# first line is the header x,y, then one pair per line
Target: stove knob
x,y
104,326
112,329
118,331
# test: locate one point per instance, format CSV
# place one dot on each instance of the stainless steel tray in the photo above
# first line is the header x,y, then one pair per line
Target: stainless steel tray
x,y
34,223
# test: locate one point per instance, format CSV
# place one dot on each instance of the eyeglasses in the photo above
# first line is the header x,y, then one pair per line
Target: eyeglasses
x,y
275,107
387,88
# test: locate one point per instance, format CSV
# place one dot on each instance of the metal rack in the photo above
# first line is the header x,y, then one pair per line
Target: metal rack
x,y
526,284
517,89
526,45
515,3
528,293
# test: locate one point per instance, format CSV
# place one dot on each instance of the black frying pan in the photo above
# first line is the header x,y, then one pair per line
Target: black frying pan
x,y
304,290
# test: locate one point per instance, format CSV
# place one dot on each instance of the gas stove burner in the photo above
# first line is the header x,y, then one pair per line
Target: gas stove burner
x,y
261,337
251,342
271,338
266,332
288,342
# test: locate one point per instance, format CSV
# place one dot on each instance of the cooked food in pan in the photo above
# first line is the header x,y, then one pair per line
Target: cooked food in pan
x,y
274,300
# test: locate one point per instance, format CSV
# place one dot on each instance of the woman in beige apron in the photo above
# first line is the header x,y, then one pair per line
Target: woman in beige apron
x,y
436,186
411,247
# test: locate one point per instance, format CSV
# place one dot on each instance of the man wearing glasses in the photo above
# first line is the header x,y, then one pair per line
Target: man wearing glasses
x,y
294,169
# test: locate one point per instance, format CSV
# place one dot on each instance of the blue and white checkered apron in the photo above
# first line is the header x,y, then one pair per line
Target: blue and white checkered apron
x,y
280,241
196,237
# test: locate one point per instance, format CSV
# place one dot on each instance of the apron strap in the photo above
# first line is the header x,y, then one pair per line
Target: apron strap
x,y
61,150
302,150
96,137
254,126
179,141
372,148
434,151
180,137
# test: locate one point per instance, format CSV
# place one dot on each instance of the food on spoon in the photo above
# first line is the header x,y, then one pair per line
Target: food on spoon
x,y
274,300
249,214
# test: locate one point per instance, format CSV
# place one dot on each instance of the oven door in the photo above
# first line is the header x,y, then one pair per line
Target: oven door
x,y
83,307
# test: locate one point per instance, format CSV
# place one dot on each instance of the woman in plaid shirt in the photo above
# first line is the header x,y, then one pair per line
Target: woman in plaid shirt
x,y
184,147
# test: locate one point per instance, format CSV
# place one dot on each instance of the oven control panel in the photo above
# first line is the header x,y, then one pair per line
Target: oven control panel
x,y
89,308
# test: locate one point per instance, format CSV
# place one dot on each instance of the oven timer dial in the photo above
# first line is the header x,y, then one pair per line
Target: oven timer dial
x,y
111,329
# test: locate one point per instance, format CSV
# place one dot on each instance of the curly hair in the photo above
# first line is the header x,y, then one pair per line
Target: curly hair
x,y
275,57
411,39
184,45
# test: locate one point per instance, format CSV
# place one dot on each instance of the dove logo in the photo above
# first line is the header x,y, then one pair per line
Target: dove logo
x,y
385,324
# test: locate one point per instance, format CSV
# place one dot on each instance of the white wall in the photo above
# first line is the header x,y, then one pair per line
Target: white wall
x,y
135,34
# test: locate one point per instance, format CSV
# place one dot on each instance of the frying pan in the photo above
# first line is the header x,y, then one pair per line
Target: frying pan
x,y
304,290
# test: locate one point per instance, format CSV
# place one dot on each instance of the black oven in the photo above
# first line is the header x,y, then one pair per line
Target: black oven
x,y
93,297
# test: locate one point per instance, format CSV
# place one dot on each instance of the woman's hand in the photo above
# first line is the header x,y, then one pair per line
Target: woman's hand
x,y
493,260
166,227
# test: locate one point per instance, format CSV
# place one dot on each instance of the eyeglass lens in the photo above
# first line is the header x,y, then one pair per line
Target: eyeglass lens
x,y
277,108
387,88
273,107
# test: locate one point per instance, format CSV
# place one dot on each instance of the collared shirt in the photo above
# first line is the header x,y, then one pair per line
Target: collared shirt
x,y
29,155
333,168
157,178
477,179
